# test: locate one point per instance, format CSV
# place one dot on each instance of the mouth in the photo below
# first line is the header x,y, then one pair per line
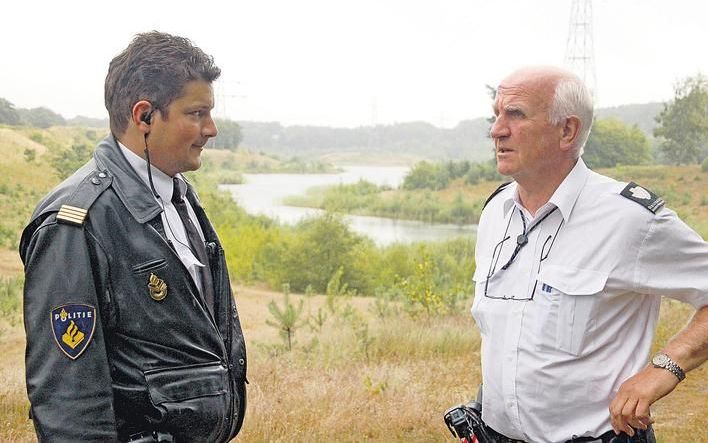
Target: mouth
x,y
503,150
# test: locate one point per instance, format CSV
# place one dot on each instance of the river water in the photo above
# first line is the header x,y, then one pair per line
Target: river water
x,y
263,193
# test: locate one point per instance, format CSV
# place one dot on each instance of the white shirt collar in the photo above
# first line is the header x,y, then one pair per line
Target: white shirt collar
x,y
564,197
162,181
567,193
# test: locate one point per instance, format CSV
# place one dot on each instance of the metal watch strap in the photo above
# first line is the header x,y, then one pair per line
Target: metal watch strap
x,y
675,369
670,366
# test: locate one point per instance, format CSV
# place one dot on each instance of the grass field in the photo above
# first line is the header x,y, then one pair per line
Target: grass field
x,y
331,387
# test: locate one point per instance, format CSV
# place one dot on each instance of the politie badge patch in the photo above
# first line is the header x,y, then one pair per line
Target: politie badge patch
x,y
73,325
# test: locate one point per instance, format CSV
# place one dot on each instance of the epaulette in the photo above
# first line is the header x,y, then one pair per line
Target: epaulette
x,y
75,208
496,191
643,196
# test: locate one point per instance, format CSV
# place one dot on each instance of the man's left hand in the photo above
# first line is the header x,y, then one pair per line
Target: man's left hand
x,y
630,407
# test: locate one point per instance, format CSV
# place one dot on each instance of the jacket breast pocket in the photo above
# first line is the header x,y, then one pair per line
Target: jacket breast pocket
x,y
191,402
150,265
567,299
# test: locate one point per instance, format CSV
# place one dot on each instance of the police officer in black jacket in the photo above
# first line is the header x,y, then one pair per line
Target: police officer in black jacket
x,y
132,330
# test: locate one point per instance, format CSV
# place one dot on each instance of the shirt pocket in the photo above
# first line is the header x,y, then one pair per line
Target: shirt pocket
x,y
567,298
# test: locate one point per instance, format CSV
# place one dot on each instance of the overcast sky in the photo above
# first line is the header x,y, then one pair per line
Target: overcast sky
x,y
350,63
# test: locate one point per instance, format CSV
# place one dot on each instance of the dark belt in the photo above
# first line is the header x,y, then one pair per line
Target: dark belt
x,y
151,436
640,436
501,438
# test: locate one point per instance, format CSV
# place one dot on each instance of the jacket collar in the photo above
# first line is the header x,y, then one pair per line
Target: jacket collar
x,y
133,192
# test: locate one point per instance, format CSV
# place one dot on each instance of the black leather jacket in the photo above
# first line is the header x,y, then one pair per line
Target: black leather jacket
x,y
107,357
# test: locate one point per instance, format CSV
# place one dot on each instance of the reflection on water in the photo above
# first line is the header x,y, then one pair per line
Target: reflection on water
x,y
263,193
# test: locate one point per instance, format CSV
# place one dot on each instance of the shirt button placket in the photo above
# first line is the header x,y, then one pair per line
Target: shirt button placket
x,y
513,335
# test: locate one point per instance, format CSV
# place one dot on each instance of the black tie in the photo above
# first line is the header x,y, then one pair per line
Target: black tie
x,y
195,241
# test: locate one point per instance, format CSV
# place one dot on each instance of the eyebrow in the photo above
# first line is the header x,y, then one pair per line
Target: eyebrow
x,y
513,108
508,108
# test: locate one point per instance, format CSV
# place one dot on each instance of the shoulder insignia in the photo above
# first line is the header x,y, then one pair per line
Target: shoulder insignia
x,y
72,326
643,196
75,210
496,191
71,215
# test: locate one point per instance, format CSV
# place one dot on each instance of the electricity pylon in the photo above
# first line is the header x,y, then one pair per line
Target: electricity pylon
x,y
579,51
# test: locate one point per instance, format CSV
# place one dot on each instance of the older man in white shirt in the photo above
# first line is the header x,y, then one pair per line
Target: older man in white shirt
x,y
571,267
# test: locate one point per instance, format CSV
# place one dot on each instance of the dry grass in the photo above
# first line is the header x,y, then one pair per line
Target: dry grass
x,y
10,263
330,391
14,407
14,167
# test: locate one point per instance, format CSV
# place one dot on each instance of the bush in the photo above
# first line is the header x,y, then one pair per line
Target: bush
x,y
613,143
66,161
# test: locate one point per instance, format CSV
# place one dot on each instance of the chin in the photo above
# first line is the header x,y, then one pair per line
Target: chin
x,y
195,164
505,170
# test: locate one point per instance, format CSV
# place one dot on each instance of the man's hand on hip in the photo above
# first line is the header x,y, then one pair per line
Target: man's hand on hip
x,y
630,407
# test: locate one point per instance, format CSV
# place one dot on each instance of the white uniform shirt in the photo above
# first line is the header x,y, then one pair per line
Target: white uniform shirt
x,y
560,335
173,226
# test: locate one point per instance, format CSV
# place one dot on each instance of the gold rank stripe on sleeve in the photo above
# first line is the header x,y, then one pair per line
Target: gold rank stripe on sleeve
x,y
72,215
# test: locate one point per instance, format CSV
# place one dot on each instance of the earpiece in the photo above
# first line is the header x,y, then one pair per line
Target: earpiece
x,y
146,118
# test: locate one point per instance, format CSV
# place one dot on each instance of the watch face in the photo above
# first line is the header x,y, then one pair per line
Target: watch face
x,y
660,359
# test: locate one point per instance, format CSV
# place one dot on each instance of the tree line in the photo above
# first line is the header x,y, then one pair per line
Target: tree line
x,y
680,131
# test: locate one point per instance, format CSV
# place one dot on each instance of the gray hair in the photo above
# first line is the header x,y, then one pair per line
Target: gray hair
x,y
572,97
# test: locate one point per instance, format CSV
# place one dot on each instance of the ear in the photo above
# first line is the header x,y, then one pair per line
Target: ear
x,y
570,131
142,114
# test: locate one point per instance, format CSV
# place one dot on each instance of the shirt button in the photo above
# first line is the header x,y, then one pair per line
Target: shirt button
x,y
241,361
102,174
95,181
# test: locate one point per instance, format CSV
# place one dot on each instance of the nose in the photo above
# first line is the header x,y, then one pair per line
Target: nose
x,y
209,129
499,128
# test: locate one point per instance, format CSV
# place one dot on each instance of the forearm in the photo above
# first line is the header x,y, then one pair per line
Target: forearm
x,y
689,348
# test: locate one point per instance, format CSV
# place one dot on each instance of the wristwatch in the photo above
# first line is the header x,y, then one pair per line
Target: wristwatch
x,y
663,361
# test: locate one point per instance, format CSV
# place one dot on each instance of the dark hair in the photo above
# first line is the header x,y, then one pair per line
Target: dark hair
x,y
154,67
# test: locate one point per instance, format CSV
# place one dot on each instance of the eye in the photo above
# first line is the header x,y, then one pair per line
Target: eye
x,y
517,113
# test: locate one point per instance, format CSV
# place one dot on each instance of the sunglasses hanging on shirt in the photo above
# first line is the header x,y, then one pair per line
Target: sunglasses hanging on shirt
x,y
523,238
521,241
